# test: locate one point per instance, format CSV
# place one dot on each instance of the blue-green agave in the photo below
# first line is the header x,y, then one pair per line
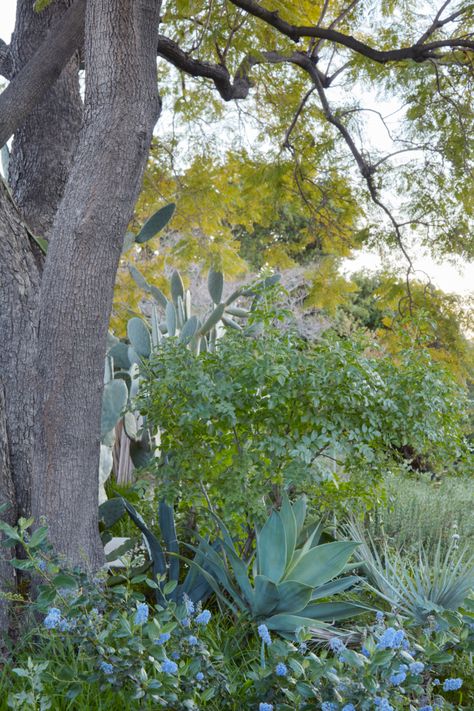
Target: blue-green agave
x,y
292,574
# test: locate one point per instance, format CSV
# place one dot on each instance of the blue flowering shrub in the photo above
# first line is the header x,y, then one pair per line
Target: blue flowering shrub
x,y
387,671
100,643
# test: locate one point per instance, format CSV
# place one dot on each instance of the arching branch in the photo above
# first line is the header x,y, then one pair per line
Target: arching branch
x,y
417,52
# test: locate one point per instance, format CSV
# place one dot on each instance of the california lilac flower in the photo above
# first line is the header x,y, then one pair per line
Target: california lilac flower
x,y
199,676
382,704
141,615
67,625
264,634
280,669
329,706
398,678
365,652
436,682
192,640
336,645
53,618
164,637
169,667
189,605
203,618
391,639
265,707
425,708
349,707
452,684
42,565
185,622
416,667
380,616
175,655
106,668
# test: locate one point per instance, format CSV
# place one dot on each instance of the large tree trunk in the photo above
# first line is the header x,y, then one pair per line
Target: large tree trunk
x,y
19,292
121,108
43,148
40,161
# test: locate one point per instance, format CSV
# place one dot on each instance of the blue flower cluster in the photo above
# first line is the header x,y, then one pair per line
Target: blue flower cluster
x,y
391,639
106,668
416,667
141,615
336,645
203,618
398,677
163,638
281,669
452,684
52,619
382,704
349,707
329,706
265,707
169,667
264,634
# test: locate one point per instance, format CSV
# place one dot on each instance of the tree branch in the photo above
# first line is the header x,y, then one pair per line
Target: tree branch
x,y
30,84
228,89
5,60
417,52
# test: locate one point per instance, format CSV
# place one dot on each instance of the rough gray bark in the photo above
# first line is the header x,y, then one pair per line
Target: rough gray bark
x,y
19,291
44,146
121,108
7,496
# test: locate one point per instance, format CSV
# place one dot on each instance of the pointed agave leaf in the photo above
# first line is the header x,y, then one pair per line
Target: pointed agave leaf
x,y
139,336
299,510
293,596
290,623
155,223
113,403
189,329
334,587
168,530
213,319
266,596
215,284
152,543
158,295
138,278
171,318
333,611
111,511
289,523
215,568
176,286
240,570
271,548
322,563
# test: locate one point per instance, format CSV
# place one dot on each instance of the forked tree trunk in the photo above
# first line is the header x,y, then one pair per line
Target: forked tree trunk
x,y
121,108
44,146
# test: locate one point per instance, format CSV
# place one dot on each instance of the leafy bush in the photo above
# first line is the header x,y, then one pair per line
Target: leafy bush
x,y
261,413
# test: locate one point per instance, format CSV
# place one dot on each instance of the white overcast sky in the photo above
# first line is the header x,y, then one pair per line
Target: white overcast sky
x,y
456,278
